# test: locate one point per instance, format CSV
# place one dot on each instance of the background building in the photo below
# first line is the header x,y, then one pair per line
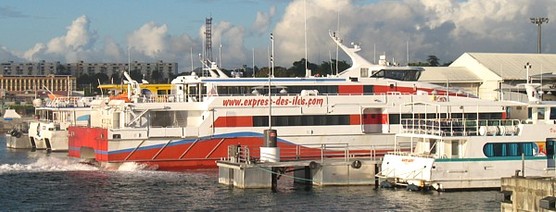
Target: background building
x,y
496,75
23,89
158,71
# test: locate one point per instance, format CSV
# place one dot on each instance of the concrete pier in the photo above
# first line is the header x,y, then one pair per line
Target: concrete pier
x,y
337,172
528,194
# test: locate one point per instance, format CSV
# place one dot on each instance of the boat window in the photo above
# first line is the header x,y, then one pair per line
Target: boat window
x,y
395,118
309,120
433,146
331,89
455,149
510,149
170,119
552,113
364,72
398,74
368,89
540,114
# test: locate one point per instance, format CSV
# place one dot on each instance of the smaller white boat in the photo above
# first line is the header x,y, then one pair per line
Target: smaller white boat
x,y
467,151
16,137
53,117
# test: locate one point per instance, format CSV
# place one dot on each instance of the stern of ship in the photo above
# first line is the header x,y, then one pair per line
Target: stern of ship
x,y
406,169
88,143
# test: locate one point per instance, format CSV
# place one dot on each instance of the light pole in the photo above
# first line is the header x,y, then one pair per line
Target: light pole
x,y
539,21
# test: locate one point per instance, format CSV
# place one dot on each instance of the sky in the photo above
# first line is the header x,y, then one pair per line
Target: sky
x,y
173,30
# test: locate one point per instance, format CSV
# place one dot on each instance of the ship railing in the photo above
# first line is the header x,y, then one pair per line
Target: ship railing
x,y
68,101
460,127
318,152
164,98
410,154
239,154
160,98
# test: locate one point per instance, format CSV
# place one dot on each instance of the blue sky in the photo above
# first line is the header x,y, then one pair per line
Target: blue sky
x,y
32,21
102,30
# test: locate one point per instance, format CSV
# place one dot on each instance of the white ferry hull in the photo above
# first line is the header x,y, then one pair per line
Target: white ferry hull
x,y
458,174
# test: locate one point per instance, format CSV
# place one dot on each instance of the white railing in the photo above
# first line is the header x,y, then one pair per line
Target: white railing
x,y
322,152
460,127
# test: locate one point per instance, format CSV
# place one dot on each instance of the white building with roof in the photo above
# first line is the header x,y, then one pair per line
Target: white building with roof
x,y
487,74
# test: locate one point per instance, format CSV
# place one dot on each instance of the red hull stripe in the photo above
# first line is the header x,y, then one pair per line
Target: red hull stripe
x,y
350,89
234,121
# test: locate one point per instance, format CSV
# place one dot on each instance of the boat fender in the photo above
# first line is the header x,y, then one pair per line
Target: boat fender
x,y
14,133
356,164
412,187
386,184
313,165
17,134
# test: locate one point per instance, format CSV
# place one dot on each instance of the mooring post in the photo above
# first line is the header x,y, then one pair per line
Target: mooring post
x,y
376,177
271,153
308,178
274,177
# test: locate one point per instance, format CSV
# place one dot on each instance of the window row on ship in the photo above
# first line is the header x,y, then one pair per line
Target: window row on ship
x,y
322,89
178,119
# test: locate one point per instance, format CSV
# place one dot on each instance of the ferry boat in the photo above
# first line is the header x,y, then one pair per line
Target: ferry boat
x,y
49,130
193,126
453,152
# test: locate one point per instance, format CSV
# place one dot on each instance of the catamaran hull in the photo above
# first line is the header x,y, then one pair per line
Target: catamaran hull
x,y
458,174
194,153
56,141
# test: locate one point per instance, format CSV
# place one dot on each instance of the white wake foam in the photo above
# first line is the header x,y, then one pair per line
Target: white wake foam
x,y
47,164
132,166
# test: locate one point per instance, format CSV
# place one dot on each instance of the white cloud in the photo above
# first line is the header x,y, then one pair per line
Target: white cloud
x,y
72,46
150,39
263,21
443,28
113,50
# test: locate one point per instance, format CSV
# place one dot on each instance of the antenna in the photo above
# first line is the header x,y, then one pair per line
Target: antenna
x,y
208,38
208,43
220,55
271,72
407,51
269,82
191,55
307,74
338,31
374,53
253,62
330,59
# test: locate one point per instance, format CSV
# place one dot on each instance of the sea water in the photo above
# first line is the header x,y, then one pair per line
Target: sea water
x,y
31,181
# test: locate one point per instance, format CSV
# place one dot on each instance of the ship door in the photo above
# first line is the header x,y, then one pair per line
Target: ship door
x,y
550,146
372,120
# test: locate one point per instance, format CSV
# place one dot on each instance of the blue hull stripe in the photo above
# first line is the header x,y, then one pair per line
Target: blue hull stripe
x,y
190,140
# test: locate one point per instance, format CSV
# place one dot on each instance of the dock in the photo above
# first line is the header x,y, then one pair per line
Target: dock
x,y
327,165
520,193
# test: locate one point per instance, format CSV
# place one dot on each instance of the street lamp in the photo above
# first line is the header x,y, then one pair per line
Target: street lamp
x,y
539,21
